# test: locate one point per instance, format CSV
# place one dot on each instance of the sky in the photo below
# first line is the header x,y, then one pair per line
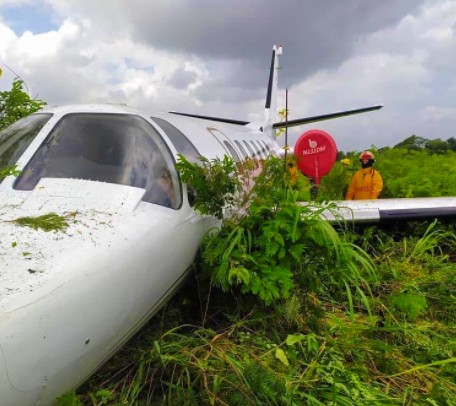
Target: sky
x,y
212,57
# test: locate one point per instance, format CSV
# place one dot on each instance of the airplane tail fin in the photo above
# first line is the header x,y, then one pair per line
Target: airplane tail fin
x,y
271,113
272,121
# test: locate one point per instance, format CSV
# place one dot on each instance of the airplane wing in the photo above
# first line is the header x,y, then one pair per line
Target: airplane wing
x,y
391,210
290,123
307,120
219,119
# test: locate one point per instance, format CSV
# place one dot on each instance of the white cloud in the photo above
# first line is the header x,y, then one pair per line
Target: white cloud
x,y
95,55
8,37
73,65
400,67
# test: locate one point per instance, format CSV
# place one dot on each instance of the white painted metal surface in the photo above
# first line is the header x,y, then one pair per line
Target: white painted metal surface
x,y
384,210
69,299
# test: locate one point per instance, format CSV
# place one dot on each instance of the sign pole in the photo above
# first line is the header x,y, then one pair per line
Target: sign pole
x,y
286,131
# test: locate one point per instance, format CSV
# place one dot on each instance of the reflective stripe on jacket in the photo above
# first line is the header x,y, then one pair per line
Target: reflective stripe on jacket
x,y
365,184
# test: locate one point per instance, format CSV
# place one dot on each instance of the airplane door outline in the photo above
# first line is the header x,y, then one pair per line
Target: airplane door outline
x,y
223,138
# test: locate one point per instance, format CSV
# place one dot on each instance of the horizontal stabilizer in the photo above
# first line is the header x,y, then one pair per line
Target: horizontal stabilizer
x,y
307,120
219,119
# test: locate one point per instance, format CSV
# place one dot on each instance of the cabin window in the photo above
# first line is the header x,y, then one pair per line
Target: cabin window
x,y
15,139
232,151
252,154
113,148
260,149
255,149
241,148
264,148
179,140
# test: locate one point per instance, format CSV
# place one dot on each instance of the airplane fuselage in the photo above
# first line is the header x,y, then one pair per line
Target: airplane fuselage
x,y
69,299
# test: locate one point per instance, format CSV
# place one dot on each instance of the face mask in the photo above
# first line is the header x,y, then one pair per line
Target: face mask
x,y
368,164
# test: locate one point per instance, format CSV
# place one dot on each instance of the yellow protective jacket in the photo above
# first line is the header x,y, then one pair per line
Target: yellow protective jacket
x,y
293,172
365,184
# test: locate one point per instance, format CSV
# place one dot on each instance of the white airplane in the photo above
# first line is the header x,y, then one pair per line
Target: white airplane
x,y
69,299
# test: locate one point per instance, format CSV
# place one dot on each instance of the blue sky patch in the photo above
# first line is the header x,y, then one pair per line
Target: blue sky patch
x,y
37,18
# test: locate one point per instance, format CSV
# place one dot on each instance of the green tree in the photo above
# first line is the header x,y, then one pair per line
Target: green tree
x,y
452,143
437,146
16,103
413,142
340,155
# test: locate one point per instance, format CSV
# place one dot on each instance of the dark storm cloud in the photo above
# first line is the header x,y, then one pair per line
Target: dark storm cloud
x,y
212,91
315,34
236,73
181,79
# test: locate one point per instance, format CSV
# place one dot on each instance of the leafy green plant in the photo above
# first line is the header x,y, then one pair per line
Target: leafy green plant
x,y
8,171
334,185
216,183
102,397
409,304
15,104
69,399
271,245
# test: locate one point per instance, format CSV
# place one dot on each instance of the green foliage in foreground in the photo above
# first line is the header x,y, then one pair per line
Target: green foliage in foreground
x,y
8,171
308,349
272,245
16,103
216,187
358,316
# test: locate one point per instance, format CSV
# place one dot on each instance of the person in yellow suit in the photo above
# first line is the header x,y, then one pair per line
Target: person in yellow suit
x,y
366,183
293,173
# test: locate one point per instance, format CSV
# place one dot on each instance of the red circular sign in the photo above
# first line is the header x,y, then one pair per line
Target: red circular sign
x,y
315,153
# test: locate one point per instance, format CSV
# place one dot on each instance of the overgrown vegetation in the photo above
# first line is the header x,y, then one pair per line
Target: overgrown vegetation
x,y
291,311
405,172
8,171
16,103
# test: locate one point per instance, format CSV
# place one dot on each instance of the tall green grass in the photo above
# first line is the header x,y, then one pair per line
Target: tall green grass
x,y
290,311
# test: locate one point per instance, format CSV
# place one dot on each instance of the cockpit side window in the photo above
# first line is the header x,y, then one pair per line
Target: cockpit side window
x,y
114,148
179,140
15,139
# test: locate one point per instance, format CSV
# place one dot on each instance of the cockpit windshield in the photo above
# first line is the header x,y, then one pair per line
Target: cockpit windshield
x,y
15,139
115,148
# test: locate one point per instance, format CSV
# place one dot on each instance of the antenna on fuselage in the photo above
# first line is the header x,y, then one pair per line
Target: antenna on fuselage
x,y
270,114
